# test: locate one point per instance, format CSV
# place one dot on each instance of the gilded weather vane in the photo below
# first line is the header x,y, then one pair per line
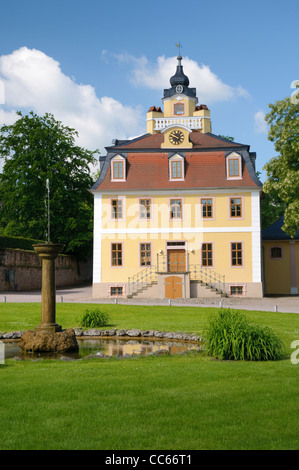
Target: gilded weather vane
x,y
179,46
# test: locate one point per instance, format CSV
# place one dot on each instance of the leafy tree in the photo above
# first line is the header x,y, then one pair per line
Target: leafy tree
x,y
36,151
227,137
283,170
272,208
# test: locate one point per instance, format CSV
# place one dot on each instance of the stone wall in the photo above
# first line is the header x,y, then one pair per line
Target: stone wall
x,y
22,270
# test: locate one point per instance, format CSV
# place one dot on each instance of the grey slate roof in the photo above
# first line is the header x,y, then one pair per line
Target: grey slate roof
x,y
275,232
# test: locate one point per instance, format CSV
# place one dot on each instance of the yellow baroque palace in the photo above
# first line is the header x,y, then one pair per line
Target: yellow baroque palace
x,y
177,210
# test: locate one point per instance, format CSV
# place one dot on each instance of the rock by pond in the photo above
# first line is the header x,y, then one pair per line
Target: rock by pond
x,y
49,341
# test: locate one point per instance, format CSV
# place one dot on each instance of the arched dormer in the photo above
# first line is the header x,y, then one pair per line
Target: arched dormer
x,y
118,168
176,167
233,166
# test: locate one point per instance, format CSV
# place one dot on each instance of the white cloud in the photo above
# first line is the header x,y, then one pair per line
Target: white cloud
x,y
2,92
210,88
31,80
34,81
260,125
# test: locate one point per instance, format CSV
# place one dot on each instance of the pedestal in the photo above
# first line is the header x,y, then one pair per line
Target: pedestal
x,y
48,253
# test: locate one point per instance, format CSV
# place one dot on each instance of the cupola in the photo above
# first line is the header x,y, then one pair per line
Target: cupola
x,y
180,108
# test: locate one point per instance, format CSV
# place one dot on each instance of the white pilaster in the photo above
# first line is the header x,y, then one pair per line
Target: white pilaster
x,y
256,237
97,239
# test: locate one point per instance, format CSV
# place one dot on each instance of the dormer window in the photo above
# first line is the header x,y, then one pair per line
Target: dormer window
x,y
234,166
176,168
118,168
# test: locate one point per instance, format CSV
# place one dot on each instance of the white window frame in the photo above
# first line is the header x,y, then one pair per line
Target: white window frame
x,y
177,158
118,159
234,156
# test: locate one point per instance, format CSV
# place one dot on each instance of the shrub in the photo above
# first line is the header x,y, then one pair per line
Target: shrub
x,y
94,318
231,336
17,243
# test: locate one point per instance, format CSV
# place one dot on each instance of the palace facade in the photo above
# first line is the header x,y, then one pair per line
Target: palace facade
x,y
177,210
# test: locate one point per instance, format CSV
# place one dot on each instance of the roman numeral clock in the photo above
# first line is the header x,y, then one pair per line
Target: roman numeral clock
x,y
176,137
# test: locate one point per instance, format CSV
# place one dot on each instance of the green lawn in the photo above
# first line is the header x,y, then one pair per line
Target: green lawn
x,y
166,403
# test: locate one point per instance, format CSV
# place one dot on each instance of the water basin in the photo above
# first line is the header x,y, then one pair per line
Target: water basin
x,y
109,348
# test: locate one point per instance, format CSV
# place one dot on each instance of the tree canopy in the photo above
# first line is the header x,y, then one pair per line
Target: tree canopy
x,y
283,170
40,151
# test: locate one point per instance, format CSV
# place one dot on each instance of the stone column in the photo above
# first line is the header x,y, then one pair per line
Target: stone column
x,y
48,253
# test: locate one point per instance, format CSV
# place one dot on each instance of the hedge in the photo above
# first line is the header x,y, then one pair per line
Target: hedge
x,y
18,243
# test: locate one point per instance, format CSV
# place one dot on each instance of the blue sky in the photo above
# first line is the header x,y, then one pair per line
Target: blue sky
x,y
98,66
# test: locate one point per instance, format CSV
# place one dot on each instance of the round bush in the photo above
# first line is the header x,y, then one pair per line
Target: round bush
x,y
230,336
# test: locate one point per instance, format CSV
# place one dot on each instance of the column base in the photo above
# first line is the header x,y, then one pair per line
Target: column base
x,y
54,327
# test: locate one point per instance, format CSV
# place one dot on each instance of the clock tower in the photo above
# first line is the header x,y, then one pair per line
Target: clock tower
x,y
181,114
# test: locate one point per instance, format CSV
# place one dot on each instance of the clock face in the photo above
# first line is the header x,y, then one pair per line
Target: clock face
x,y
176,137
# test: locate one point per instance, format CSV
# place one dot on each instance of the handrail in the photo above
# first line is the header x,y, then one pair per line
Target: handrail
x,y
142,279
208,276
149,274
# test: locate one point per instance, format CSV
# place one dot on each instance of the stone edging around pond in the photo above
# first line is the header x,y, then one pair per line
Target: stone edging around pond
x,y
132,333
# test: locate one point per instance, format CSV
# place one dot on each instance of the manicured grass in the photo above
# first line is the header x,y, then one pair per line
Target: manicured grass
x,y
172,402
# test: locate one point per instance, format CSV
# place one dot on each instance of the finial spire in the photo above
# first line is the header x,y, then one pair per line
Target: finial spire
x,y
179,46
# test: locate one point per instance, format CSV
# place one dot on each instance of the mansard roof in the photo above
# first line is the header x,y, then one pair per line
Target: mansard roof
x,y
205,164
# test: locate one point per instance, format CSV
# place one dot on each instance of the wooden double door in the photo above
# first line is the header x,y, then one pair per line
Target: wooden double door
x,y
173,287
176,261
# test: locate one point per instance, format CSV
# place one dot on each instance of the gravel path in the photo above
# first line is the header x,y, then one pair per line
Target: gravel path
x,y
84,295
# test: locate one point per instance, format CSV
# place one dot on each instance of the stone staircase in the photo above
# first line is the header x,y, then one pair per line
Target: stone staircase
x,y
146,288
206,290
141,282
204,283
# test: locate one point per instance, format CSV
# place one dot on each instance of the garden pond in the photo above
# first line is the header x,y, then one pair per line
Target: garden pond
x,y
107,347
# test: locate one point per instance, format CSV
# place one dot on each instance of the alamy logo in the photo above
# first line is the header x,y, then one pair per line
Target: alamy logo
x,y
295,94
294,358
2,352
2,92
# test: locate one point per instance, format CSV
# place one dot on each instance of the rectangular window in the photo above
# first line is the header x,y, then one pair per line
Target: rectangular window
x,y
145,208
276,252
175,208
235,207
118,170
116,209
116,254
233,167
236,254
207,254
145,254
176,169
179,109
236,290
207,208
116,291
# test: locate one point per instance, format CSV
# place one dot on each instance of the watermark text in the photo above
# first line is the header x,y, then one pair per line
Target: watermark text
x,y
2,352
295,354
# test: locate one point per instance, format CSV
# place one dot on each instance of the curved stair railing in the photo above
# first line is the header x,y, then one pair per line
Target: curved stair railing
x,y
149,275
141,280
208,277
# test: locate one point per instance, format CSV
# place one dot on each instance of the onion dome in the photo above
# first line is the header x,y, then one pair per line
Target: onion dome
x,y
179,78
